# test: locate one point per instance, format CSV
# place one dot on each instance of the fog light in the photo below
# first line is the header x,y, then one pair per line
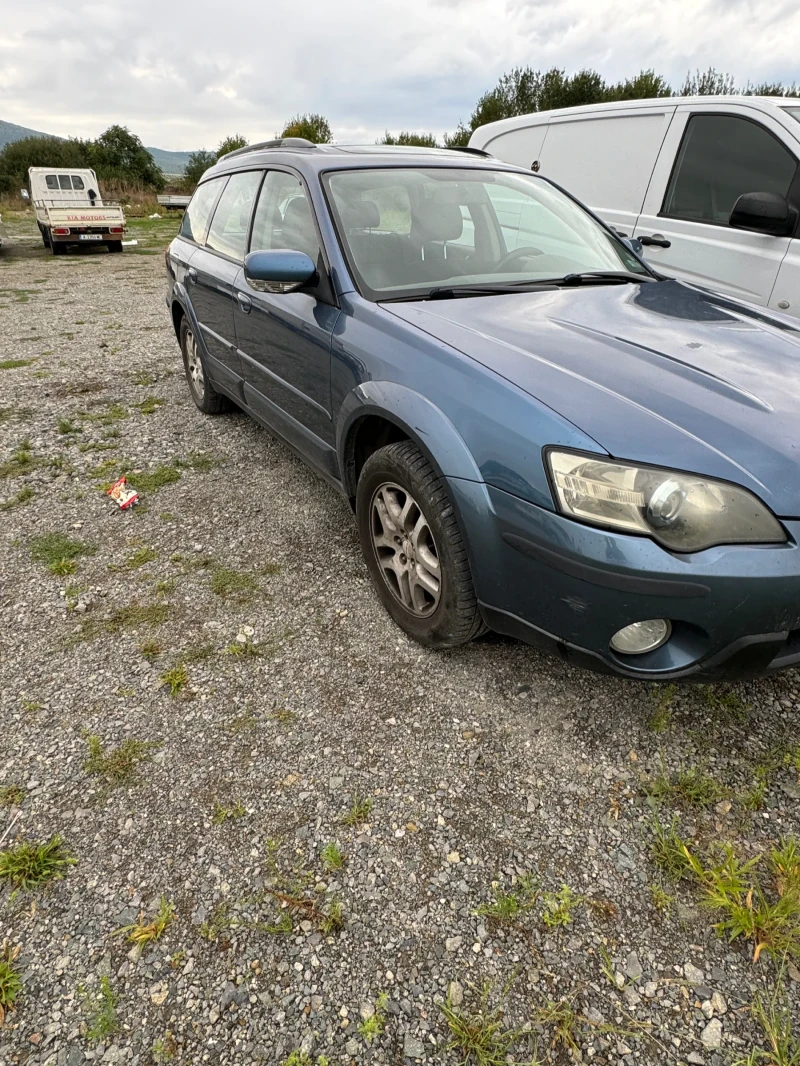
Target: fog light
x,y
640,637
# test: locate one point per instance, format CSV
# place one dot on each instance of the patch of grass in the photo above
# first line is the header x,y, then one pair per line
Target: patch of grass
x,y
165,1048
241,649
164,586
223,814
15,364
509,907
233,584
22,461
774,1018
283,715
332,857
102,1011
10,980
481,1038
144,931
302,1058
559,907
662,900
686,788
176,679
140,557
662,716
144,377
270,569
66,425
27,865
11,795
150,650
150,405
723,701
59,552
333,919
25,495
119,765
372,1027
132,616
360,810
198,461
670,850
115,412
153,480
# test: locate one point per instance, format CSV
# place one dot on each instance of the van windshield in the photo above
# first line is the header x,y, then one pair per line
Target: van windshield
x,y
408,231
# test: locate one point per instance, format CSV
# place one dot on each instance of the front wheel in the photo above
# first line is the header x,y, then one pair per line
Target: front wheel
x,y
205,396
414,549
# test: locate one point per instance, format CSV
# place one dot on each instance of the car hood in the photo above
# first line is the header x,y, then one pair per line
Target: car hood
x,y
660,373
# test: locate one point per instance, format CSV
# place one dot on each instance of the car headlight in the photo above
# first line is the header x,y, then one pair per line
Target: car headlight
x,y
682,512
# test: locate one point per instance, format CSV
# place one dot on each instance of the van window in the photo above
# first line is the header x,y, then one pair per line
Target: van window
x,y
77,183
65,182
722,157
197,215
51,181
231,222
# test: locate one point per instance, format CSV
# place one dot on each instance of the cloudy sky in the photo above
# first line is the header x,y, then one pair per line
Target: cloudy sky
x,y
184,73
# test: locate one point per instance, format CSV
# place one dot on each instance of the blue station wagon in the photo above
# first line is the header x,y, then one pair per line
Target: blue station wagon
x,y
538,434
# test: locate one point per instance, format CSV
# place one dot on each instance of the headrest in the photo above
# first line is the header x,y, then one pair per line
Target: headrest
x,y
297,212
360,214
437,221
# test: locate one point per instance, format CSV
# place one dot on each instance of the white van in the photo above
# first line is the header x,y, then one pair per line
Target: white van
x,y
709,184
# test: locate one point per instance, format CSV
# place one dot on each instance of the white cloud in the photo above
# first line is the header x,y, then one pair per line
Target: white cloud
x,y
185,73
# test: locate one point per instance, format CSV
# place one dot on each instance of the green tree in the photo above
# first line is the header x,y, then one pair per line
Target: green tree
x,y
17,156
421,140
198,164
230,144
708,83
119,154
314,128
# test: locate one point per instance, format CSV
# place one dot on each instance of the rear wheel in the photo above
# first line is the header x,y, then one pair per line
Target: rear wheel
x,y
45,236
115,246
414,549
58,248
205,396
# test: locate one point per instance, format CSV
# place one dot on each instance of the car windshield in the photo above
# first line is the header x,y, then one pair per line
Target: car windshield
x,y
408,232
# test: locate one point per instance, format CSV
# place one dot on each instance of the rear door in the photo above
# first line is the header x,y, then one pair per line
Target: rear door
x,y
606,158
710,158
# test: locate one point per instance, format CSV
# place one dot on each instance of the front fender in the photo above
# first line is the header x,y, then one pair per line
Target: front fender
x,y
412,412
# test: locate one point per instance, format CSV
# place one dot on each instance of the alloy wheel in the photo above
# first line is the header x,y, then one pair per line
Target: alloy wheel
x,y
405,549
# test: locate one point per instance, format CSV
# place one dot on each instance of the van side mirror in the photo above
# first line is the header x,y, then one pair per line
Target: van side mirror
x,y
763,212
281,270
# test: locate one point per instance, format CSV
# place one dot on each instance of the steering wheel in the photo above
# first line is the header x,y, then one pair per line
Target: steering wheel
x,y
518,253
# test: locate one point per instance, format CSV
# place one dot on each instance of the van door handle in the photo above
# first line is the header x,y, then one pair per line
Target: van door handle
x,y
244,302
658,240
192,274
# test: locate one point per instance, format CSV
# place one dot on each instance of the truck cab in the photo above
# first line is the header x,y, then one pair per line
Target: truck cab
x,y
70,210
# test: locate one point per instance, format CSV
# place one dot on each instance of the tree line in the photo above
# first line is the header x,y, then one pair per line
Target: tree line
x,y
119,156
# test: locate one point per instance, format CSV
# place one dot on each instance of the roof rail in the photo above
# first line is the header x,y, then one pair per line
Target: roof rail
x,y
276,142
472,151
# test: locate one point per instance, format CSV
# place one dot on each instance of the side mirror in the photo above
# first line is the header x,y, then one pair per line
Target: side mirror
x,y
24,194
763,212
634,244
281,270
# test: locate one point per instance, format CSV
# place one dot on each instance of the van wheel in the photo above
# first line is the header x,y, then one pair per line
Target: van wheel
x,y
58,248
205,396
115,246
414,549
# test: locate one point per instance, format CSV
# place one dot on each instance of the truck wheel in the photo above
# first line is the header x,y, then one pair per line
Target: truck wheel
x,y
115,246
45,237
205,396
414,549
58,248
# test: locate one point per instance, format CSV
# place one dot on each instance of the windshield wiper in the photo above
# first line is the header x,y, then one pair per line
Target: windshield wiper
x,y
450,292
599,277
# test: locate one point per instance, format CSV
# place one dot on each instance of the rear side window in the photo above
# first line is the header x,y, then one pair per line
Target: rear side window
x,y
198,214
52,181
65,182
77,183
231,222
721,158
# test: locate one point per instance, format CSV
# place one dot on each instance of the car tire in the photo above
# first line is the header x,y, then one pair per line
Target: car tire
x,y
406,524
115,246
45,237
205,396
58,248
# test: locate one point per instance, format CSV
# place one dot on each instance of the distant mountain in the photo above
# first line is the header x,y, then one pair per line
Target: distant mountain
x,y
170,162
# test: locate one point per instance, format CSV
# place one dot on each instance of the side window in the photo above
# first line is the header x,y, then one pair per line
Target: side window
x,y
65,182
231,221
77,183
283,217
51,181
722,157
197,215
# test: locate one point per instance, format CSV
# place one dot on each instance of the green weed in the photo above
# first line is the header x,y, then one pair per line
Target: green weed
x,y
508,907
176,679
231,583
25,495
150,405
15,364
662,900
222,814
332,857
153,480
11,795
559,907
22,461
481,1038
10,980
102,1010
28,865
59,552
119,765
372,1027
143,932
360,810
662,716
686,788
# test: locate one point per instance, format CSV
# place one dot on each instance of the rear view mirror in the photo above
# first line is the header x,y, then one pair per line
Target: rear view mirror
x,y
24,194
281,270
763,212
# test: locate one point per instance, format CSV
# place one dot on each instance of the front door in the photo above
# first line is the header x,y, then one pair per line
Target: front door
x,y
708,161
285,339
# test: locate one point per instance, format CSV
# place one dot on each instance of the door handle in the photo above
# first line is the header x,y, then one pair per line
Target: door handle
x,y
658,240
192,273
244,302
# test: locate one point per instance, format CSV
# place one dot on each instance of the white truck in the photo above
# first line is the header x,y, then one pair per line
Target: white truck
x,y
710,185
69,209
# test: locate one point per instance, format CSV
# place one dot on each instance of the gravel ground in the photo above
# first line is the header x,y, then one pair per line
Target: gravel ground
x,y
445,779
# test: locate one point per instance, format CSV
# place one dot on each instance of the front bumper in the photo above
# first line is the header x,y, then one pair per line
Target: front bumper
x,y
558,584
